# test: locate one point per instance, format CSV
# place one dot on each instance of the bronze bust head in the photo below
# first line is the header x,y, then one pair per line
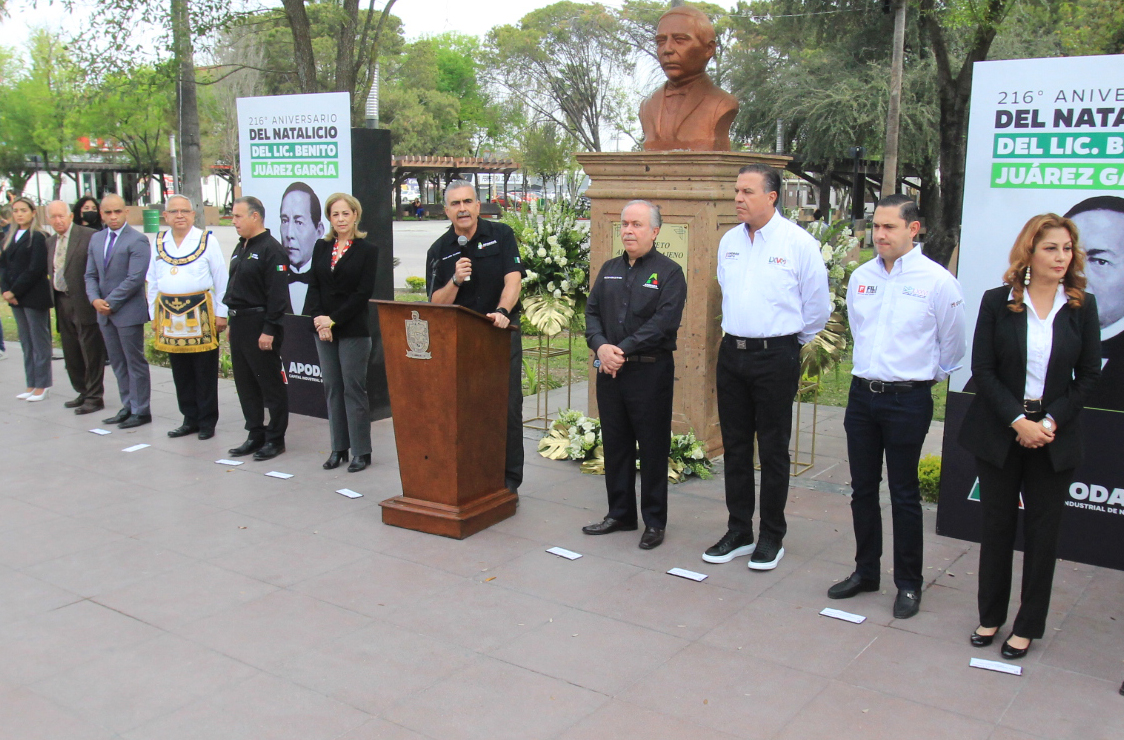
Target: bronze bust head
x,y
688,111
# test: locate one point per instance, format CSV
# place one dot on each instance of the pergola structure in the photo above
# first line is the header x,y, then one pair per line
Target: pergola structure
x,y
447,169
841,172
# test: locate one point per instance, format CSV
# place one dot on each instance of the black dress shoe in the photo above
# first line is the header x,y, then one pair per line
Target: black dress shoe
x,y
852,585
248,447
651,539
135,420
359,463
979,640
907,603
182,431
609,525
1011,653
206,433
335,460
269,451
75,403
117,418
89,407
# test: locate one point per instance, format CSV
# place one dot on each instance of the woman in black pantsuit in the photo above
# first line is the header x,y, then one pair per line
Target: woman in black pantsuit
x,y
1035,356
26,286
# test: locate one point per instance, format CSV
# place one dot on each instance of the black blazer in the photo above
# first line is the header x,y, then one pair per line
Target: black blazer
x,y
342,294
999,375
23,270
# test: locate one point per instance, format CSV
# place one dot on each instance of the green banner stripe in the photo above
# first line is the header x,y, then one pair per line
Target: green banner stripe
x,y
1057,175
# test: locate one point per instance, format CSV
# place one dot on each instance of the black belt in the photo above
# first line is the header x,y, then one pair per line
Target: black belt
x,y
239,311
893,386
751,344
641,358
1032,406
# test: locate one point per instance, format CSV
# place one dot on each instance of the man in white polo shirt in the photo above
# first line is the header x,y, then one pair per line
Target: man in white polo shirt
x,y
907,318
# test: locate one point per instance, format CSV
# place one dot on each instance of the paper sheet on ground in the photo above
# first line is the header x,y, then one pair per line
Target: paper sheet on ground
x,y
688,574
564,553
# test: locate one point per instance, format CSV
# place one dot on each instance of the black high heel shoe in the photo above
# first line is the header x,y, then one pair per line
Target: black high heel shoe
x,y
359,463
1012,653
335,460
980,641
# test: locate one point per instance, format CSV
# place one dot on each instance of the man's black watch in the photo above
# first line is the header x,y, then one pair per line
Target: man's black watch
x,y
504,311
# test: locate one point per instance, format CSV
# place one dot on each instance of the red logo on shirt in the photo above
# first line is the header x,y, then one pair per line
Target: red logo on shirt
x,y
867,289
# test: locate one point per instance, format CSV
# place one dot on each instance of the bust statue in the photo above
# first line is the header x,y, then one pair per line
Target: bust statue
x,y
688,111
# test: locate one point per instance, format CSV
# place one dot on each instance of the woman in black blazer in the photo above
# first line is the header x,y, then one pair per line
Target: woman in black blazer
x,y
27,289
340,284
1036,355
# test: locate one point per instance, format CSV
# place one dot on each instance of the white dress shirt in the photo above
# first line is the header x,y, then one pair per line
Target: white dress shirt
x,y
299,291
908,323
1039,342
208,272
774,285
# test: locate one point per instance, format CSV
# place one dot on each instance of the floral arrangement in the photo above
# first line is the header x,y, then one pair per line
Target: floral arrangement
x,y
575,436
826,350
555,253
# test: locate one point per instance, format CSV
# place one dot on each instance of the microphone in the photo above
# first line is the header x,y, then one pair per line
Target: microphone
x,y
462,240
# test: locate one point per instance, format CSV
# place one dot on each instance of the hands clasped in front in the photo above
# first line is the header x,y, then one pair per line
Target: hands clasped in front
x,y
612,359
1031,434
323,325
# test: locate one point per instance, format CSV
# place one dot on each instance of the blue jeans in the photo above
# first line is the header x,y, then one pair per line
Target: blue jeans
x,y
894,425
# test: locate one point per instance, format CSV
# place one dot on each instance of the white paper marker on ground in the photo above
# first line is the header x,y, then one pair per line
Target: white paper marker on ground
x,y
349,493
995,665
282,476
564,553
845,616
134,448
228,462
100,432
688,574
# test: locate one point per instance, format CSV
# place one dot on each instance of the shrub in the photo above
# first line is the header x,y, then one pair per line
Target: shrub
x,y
929,473
416,284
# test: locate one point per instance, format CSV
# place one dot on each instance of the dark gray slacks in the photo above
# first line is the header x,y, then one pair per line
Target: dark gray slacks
x,y
125,347
83,350
343,366
34,325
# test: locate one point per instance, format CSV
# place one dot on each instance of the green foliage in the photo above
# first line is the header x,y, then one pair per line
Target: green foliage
x,y
416,284
554,250
929,473
827,348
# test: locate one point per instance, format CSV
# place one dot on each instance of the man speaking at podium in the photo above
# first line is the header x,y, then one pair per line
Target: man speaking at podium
x,y
476,264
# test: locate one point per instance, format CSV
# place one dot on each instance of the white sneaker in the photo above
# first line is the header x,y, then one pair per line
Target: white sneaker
x,y
23,396
38,396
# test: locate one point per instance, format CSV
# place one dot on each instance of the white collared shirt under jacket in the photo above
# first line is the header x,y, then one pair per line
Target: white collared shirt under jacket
x,y
775,285
1039,342
908,324
207,272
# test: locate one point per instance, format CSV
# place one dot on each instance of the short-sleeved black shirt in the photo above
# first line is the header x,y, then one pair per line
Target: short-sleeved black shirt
x,y
494,253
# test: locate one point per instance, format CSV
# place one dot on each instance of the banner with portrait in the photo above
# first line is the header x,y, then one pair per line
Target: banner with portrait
x,y
1047,136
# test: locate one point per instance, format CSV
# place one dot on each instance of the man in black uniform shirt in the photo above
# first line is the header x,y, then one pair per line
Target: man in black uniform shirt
x,y
485,275
631,321
257,294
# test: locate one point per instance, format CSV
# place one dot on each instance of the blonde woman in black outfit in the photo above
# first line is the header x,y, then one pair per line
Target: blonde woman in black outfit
x,y
27,289
340,284
1036,355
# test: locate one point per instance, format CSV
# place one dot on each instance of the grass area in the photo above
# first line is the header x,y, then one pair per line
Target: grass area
x,y
11,333
836,385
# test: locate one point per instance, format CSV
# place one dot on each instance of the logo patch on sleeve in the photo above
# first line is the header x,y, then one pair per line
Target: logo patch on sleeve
x,y
280,268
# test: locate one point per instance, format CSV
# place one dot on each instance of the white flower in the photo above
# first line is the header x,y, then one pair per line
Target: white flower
x,y
552,240
566,285
550,285
549,261
589,438
541,252
562,261
837,272
557,293
697,454
825,252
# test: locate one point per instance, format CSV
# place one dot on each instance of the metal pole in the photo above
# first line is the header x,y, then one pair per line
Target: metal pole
x,y
175,163
373,101
893,112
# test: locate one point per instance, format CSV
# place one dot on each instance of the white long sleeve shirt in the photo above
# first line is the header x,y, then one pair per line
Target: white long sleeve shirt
x,y
1039,342
207,272
908,323
774,285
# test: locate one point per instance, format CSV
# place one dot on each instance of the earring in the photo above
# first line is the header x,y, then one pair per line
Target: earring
x,y
1026,280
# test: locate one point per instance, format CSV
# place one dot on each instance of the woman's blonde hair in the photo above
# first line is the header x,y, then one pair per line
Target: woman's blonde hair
x,y
353,204
1027,240
12,228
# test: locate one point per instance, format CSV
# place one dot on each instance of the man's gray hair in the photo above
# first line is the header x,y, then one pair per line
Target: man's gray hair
x,y
253,204
458,184
181,196
654,218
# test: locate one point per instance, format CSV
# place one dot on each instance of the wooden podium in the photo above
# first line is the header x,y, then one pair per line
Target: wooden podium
x,y
447,371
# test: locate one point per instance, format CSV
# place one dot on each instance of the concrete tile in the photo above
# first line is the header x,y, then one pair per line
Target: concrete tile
x,y
556,579
376,583
726,690
592,651
52,539
1065,705
213,535
854,713
465,705
107,567
380,729
947,614
807,583
26,715
290,558
819,506
301,509
15,514
148,513
546,521
620,719
22,596
479,553
184,595
1088,646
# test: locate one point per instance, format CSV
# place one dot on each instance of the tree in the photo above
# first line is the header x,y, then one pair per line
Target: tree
x,y
546,151
566,62
15,139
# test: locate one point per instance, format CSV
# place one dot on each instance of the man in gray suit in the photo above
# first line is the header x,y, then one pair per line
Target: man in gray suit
x,y
83,349
116,265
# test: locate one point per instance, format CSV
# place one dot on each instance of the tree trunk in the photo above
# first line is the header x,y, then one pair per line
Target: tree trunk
x,y
302,45
893,112
345,50
191,156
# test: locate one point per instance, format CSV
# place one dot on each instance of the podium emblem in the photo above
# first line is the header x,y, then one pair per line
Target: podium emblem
x,y
417,337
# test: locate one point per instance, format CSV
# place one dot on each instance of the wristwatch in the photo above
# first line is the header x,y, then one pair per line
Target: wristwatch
x,y
1048,425
455,283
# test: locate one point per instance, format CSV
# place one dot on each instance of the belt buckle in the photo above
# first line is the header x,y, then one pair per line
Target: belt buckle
x,y
881,386
739,343
1032,405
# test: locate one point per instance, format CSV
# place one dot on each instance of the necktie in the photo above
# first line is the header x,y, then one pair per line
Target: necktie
x,y
109,248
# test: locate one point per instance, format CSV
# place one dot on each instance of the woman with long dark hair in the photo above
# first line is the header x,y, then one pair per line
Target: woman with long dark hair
x,y
1036,355
86,213
26,287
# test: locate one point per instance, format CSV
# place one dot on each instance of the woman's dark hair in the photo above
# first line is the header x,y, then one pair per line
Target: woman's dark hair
x,y
77,211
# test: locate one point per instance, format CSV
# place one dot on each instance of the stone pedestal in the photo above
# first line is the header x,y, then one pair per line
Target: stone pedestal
x,y
693,190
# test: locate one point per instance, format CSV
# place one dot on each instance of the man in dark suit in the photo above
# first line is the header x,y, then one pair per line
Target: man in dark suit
x,y
83,349
116,265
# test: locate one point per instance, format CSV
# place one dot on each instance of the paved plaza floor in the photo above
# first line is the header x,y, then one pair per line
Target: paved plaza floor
x,y
157,595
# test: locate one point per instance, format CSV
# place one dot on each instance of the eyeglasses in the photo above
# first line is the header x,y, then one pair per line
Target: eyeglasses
x,y
178,213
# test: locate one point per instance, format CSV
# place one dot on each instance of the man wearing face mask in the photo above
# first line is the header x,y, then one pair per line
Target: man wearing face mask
x,y
300,228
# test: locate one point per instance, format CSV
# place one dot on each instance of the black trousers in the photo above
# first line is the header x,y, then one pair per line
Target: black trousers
x,y
635,408
756,389
196,375
83,349
513,464
259,378
894,425
1043,495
